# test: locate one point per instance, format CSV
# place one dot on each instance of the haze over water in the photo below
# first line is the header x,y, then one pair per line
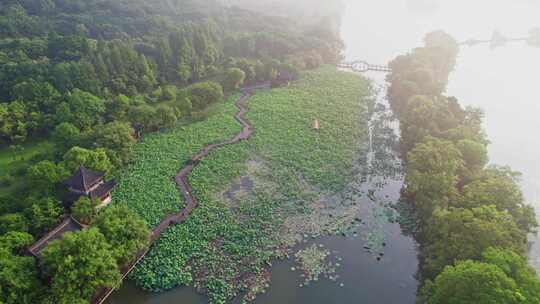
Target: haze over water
x,y
503,82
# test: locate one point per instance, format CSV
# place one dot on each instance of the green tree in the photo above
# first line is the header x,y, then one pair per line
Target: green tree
x,y
101,68
199,68
419,120
469,128
95,160
127,232
44,175
146,79
517,268
164,58
169,93
66,135
85,210
460,234
43,215
71,76
79,264
432,175
425,71
249,70
428,116
19,282
502,276
166,116
185,58
471,283
13,222
234,79
501,190
144,115
116,136
118,107
205,93
475,157
440,51
16,121
156,94
84,110
15,240
261,71
183,104
38,96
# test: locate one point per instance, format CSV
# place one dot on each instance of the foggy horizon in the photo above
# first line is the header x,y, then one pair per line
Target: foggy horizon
x,y
511,104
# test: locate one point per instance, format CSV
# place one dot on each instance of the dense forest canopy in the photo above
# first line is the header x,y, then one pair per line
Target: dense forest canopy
x,y
50,48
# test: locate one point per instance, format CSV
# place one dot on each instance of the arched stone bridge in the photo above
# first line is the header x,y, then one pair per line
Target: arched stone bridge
x,y
363,66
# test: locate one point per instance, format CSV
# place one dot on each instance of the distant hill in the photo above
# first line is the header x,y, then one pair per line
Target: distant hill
x,y
307,10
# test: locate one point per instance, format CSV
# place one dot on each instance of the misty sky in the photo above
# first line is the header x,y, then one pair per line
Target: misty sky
x,y
399,23
504,82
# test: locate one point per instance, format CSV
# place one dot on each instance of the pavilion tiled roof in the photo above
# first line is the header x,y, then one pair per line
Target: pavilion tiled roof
x,y
83,179
103,189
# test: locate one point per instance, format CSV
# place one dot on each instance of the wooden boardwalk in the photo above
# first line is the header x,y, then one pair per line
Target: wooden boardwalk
x,y
185,188
362,67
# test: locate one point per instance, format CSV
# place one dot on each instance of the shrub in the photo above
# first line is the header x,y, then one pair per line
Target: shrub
x,y
125,230
169,93
184,105
13,222
6,180
84,210
205,93
234,79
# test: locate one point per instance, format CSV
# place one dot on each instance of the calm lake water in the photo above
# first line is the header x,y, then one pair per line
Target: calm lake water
x,y
502,82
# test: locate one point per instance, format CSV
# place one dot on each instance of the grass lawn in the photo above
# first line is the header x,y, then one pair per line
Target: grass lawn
x,y
226,244
10,162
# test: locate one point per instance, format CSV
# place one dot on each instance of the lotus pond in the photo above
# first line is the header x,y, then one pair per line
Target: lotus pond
x,y
288,191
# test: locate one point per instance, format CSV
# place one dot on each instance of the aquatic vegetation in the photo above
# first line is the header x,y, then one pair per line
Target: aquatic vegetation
x,y
147,185
313,262
223,244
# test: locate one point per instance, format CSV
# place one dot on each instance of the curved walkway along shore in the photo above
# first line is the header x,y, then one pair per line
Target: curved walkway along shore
x,y
185,188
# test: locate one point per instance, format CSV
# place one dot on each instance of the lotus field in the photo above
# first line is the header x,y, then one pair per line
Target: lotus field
x,y
227,243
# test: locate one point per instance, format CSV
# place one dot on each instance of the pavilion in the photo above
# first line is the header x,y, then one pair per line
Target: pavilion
x,y
90,184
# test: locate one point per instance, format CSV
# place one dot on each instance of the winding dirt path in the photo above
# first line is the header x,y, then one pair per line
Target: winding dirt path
x,y
185,188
